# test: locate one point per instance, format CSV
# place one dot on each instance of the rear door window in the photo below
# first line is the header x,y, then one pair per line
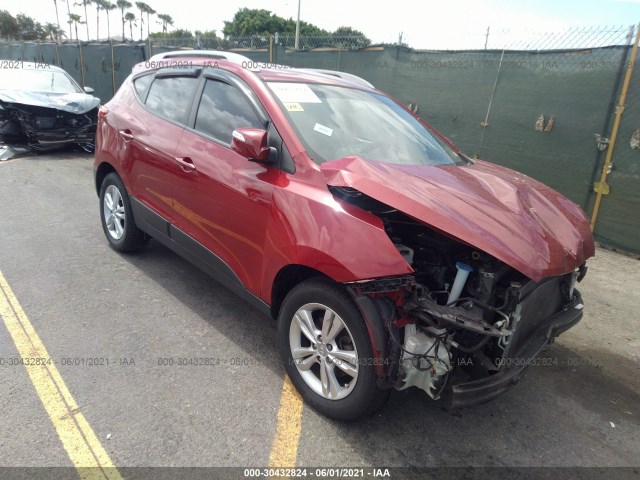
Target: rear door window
x,y
170,97
222,109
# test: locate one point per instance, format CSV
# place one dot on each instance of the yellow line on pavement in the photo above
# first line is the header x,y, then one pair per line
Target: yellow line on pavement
x,y
83,447
285,445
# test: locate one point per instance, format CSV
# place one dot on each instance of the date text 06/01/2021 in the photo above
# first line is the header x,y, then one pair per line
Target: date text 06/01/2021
x,y
316,472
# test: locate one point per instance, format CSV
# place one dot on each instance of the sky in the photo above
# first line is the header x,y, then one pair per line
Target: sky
x,y
444,24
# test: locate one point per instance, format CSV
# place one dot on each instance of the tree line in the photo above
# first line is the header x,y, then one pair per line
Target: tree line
x,y
24,27
246,22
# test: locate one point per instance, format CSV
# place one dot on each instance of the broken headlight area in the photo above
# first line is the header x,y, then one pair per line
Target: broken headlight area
x,y
464,322
28,128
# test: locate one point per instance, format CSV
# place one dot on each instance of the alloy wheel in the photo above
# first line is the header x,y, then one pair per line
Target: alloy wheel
x,y
114,213
323,351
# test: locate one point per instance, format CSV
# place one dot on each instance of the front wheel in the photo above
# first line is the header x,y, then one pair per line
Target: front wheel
x,y
117,218
327,351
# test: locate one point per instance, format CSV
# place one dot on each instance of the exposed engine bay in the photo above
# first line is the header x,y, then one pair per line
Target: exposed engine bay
x,y
27,128
463,315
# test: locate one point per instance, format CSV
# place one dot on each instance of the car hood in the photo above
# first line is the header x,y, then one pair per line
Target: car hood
x,y
68,102
504,213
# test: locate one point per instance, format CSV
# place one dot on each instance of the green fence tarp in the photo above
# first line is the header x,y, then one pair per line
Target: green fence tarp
x,y
619,218
453,91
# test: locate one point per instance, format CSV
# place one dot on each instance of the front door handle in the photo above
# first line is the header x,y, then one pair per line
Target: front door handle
x,y
186,164
126,135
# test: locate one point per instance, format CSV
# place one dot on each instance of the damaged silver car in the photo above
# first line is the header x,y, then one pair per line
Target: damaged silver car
x,y
43,109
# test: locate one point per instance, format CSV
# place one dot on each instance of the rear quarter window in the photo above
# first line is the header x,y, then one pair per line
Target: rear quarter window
x,y
141,85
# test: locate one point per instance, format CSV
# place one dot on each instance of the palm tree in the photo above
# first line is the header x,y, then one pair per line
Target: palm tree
x,y
53,31
55,4
85,3
166,20
75,20
123,5
107,6
144,8
149,11
97,4
130,17
69,13
141,6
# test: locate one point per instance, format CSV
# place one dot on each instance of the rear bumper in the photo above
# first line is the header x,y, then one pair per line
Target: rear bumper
x,y
486,389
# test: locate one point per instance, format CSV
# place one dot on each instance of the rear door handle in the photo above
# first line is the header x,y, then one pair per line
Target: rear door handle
x,y
126,135
186,164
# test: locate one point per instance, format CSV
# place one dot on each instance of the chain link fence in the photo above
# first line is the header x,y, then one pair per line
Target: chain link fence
x,y
259,42
575,38
198,42
541,103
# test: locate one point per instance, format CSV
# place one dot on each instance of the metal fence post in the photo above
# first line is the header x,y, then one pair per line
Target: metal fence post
x,y
113,68
485,122
601,187
81,64
609,115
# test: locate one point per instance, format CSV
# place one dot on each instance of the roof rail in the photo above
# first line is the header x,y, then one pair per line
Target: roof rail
x,y
215,54
343,75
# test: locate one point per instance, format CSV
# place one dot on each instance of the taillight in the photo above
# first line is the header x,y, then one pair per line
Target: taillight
x,y
102,112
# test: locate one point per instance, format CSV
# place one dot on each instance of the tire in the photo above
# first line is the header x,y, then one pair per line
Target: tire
x,y
117,217
342,353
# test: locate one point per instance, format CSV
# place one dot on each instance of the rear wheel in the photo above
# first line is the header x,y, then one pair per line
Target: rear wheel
x,y
117,218
327,351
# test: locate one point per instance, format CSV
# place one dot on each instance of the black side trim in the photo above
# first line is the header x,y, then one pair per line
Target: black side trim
x,y
198,253
191,250
147,220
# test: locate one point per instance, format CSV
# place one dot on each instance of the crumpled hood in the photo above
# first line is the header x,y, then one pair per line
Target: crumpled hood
x,y
516,219
68,102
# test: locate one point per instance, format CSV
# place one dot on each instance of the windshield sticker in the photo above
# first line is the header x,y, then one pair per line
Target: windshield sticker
x,y
323,130
293,107
294,93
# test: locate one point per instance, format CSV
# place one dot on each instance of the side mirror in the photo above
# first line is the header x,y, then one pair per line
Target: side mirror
x,y
251,143
88,90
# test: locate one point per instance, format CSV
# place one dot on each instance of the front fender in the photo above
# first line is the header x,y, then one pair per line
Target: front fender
x,y
308,226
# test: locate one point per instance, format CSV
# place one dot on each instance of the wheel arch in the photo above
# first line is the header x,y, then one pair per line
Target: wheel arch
x,y
104,169
288,277
370,391
373,311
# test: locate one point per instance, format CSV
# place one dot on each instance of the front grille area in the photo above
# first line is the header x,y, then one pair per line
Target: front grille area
x,y
538,302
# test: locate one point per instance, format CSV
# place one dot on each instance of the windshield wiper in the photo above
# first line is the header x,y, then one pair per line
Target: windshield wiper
x,y
466,159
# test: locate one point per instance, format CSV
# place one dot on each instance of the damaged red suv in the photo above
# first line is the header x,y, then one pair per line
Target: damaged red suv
x,y
388,257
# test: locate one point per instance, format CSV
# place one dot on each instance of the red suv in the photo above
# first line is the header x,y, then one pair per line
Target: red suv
x,y
388,257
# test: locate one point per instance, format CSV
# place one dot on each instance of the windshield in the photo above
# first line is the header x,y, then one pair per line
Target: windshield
x,y
27,80
335,122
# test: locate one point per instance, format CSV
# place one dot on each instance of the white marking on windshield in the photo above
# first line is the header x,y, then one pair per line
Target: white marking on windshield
x,y
294,92
324,130
293,107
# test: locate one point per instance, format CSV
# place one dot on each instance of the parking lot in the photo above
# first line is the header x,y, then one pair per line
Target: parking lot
x,y
118,328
